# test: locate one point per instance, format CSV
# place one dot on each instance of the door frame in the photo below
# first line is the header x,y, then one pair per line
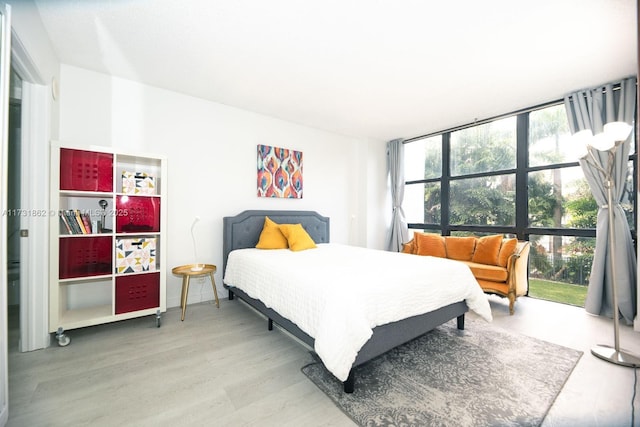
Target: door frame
x,y
34,190
5,65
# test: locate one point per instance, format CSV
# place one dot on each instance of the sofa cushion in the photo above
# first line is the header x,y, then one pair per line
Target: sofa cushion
x,y
409,247
430,244
496,287
460,248
492,273
506,250
487,249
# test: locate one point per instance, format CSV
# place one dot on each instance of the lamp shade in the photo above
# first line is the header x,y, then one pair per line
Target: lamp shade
x,y
602,141
618,131
581,139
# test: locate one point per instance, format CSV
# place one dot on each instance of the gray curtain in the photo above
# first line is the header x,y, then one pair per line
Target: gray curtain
x,y
592,109
395,165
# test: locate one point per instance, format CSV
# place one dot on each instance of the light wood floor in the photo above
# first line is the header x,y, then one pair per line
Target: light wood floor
x,y
221,367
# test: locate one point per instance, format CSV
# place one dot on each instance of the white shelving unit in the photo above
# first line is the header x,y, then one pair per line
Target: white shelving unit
x,y
114,268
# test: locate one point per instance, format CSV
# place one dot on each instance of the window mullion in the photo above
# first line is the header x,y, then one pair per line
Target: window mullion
x,y
445,183
522,162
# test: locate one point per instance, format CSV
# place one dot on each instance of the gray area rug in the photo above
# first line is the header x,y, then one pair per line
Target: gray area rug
x,y
482,376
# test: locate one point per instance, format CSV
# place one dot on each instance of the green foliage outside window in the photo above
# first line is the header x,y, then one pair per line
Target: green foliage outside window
x,y
483,201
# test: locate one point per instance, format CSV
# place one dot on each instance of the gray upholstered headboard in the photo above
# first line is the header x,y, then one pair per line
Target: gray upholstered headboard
x,y
243,230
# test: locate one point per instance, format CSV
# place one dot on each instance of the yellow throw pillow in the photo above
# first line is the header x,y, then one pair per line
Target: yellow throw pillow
x,y
487,249
271,237
507,248
297,237
430,244
460,248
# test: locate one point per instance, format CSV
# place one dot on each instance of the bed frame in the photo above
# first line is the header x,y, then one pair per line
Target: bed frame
x,y
243,231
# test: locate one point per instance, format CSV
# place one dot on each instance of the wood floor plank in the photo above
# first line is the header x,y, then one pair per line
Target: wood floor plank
x,y
219,364
223,367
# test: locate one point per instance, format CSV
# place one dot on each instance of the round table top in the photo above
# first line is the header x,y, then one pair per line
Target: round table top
x,y
194,269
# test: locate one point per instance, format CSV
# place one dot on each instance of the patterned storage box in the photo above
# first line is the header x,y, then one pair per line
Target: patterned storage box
x,y
135,255
138,183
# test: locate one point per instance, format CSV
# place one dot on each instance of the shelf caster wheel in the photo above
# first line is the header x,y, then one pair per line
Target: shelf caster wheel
x,y
158,316
63,339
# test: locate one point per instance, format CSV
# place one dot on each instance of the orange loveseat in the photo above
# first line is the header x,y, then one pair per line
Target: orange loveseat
x,y
498,264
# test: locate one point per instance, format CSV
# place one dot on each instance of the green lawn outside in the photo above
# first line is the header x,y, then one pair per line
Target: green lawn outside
x,y
557,291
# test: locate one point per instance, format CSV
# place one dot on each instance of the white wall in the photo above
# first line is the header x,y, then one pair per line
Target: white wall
x,y
211,151
43,65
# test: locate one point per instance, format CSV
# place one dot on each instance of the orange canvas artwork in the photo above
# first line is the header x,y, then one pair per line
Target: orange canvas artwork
x,y
279,172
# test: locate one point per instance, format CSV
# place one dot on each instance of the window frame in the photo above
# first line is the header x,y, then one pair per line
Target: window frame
x,y
521,229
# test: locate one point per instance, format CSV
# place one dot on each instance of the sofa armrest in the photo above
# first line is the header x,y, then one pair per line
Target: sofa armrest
x,y
517,266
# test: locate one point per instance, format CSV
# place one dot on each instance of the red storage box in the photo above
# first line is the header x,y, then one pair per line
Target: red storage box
x,y
85,256
137,292
86,170
137,214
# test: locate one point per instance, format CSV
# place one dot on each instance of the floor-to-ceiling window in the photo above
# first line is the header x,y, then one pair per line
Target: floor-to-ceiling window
x,y
516,174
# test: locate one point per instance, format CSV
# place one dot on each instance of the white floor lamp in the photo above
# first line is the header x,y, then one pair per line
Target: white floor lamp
x,y
614,135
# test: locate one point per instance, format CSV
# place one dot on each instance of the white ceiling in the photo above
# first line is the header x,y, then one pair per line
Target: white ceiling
x,y
378,69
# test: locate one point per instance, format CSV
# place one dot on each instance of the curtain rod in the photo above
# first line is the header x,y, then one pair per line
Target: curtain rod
x,y
494,118
484,121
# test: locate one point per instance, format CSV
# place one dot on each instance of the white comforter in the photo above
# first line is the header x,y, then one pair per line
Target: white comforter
x,y
337,294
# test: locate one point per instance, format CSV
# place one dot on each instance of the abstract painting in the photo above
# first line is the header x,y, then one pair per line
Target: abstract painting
x,y
279,172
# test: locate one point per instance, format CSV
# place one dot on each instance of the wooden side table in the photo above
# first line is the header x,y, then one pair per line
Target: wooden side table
x,y
194,270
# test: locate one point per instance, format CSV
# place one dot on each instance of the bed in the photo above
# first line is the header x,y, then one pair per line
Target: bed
x,y
361,335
